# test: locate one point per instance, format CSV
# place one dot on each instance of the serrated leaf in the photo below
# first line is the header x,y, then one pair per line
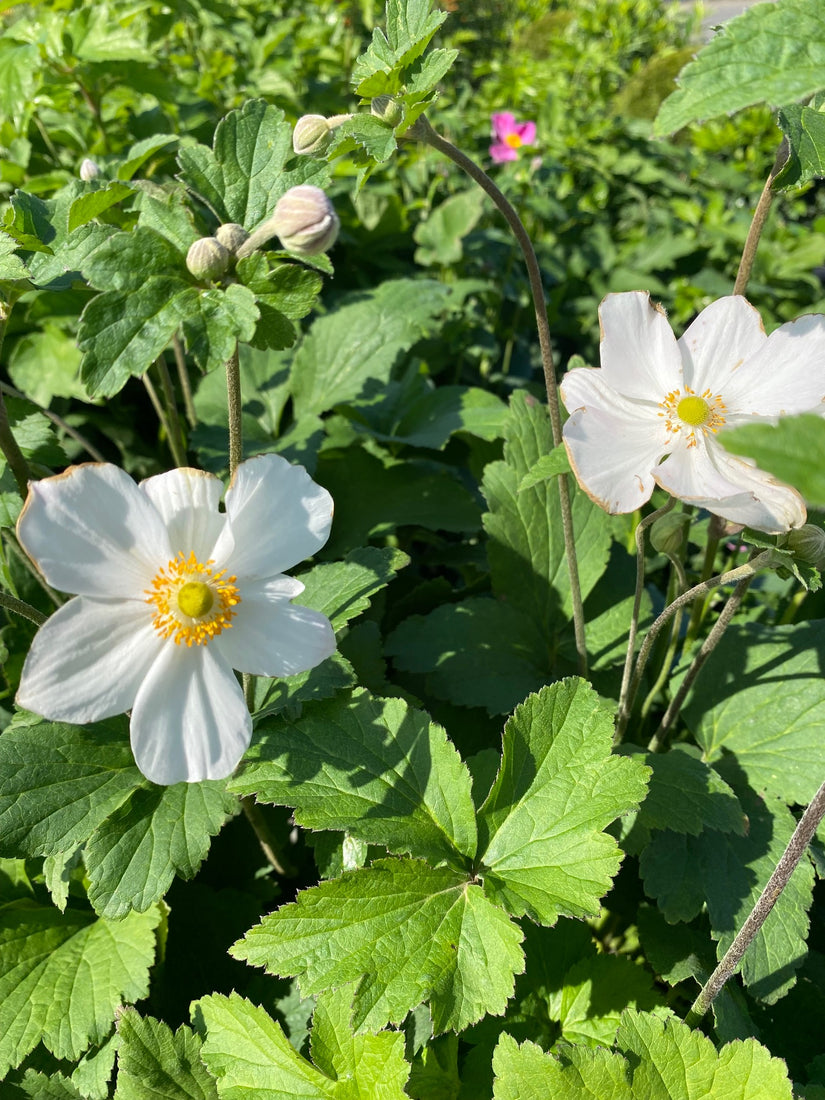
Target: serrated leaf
x,y
410,26
248,1053
772,53
126,260
63,975
343,589
364,132
154,1062
221,318
526,1073
672,1062
96,202
427,73
41,1087
792,450
407,932
547,466
375,768
245,172
11,266
804,128
142,151
165,210
596,992
361,340
685,795
63,787
746,720
45,365
544,853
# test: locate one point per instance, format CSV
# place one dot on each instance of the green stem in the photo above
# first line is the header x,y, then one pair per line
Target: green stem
x,y
802,835
710,643
421,130
673,643
26,562
185,382
760,216
8,444
177,439
625,702
64,426
266,839
698,612
21,608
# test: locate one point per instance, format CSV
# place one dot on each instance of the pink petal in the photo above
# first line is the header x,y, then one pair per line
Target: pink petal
x,y
503,124
527,132
500,153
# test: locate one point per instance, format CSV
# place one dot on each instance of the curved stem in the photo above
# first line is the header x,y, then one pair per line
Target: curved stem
x,y
185,382
21,608
804,831
8,444
760,216
64,426
266,839
673,643
421,130
177,441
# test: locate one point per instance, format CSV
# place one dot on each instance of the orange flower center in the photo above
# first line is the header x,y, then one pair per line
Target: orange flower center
x,y
193,603
513,140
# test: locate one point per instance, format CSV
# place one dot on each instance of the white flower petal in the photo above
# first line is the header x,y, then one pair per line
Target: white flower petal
x,y
188,500
785,376
189,721
639,354
731,487
87,661
91,531
277,517
717,344
271,637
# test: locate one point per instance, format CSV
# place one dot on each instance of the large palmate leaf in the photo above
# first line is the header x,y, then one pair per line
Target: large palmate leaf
x,y
542,849
154,1062
64,787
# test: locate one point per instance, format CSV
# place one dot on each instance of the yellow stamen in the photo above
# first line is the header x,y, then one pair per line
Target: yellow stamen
x,y
513,140
192,602
690,411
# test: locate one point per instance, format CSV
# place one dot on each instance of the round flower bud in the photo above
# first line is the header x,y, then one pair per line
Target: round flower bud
x,y
231,236
312,136
386,108
208,258
89,170
808,544
668,532
305,220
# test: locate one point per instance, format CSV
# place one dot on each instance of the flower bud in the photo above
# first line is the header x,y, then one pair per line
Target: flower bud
x,y
388,109
667,534
305,220
312,136
808,544
88,170
207,258
231,236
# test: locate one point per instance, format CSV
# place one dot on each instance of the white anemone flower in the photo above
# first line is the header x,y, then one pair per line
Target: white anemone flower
x,y
649,416
171,596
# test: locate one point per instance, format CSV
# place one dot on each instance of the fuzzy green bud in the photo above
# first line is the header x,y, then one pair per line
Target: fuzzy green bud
x,y
305,220
312,136
808,544
88,170
388,109
231,236
207,258
667,535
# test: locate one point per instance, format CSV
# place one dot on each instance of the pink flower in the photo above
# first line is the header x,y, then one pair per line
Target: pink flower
x,y
510,136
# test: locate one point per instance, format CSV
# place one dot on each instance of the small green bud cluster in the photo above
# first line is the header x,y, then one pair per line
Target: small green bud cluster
x,y
808,544
231,236
388,109
211,257
313,134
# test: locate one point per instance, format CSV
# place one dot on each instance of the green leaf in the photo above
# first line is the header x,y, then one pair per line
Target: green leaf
x,y
342,590
219,319
547,466
64,787
746,719
528,561
248,1053
64,975
96,202
772,53
245,173
375,768
164,209
439,237
45,365
433,418
19,78
361,340
728,873
154,1062
45,228
540,830
291,289
97,37
672,1062
792,450
410,26
596,992
407,932
11,266
367,133
141,152
688,796
126,260
34,434
526,1073
804,128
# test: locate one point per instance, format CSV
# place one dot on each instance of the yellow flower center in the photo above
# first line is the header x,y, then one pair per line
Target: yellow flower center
x,y
192,602
513,140
688,411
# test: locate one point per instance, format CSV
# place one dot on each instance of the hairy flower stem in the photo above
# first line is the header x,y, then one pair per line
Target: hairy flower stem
x,y
21,608
624,702
177,440
760,216
185,382
422,131
710,643
749,569
673,643
234,410
8,444
804,831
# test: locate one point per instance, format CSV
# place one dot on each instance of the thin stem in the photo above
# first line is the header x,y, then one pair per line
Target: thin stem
x,y
266,839
423,131
28,565
8,444
804,831
673,643
156,405
185,382
697,614
624,702
177,440
760,215
77,436
234,411
21,608
710,643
